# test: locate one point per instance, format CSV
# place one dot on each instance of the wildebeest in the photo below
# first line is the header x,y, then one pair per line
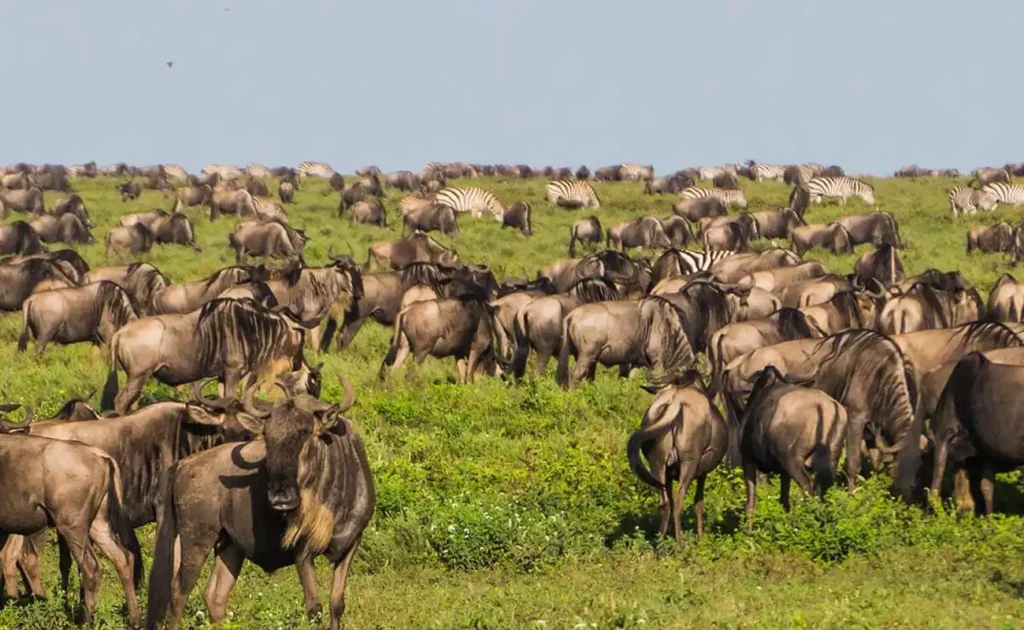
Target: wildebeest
x,y
380,299
416,247
647,333
142,281
726,180
883,264
186,297
996,238
1006,300
584,231
697,208
136,239
20,239
519,216
734,236
76,489
833,237
16,181
779,277
286,192
68,261
227,339
73,205
367,212
430,217
671,184
52,181
302,491
460,326
225,201
30,200
922,307
191,196
275,239
512,297
684,437
985,176
257,187
169,228
678,231
67,228
129,191
877,228
777,223
645,232
846,310
402,180
789,430
90,313
731,269
863,370
19,280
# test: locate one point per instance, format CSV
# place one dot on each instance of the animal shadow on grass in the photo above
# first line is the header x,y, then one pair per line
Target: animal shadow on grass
x,y
1007,584
729,522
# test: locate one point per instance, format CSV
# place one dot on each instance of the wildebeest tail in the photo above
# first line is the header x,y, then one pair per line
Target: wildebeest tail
x,y
162,571
717,365
124,533
821,459
110,387
396,339
23,339
562,374
642,437
522,346
572,242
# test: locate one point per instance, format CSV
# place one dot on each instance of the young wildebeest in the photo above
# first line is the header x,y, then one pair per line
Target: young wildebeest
x,y
20,280
369,211
924,307
1006,300
833,237
648,333
130,191
430,217
286,192
417,247
266,238
76,489
697,208
789,430
997,238
67,228
227,339
684,437
883,265
584,231
90,313
645,232
30,200
20,239
303,490
519,216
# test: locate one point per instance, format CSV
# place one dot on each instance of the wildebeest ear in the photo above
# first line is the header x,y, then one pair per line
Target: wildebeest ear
x,y
198,415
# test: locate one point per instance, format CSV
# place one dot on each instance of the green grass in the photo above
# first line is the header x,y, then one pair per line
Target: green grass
x,y
504,506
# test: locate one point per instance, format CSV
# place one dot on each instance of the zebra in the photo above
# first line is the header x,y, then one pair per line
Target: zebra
x,y
636,172
964,200
315,169
729,197
694,262
227,172
841,187
572,193
256,170
174,171
1011,194
473,200
761,172
267,209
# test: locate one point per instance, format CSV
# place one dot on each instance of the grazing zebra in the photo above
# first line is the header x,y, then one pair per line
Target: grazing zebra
x,y
315,169
762,172
473,200
572,193
695,262
729,197
174,171
841,187
256,170
636,172
964,200
1010,194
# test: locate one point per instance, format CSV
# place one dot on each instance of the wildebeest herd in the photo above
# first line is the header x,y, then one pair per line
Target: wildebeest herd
x,y
750,347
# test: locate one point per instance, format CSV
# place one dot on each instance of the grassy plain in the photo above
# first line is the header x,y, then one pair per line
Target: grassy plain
x,y
504,506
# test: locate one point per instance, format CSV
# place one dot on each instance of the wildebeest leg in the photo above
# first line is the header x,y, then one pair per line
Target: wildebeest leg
x,y
543,356
227,564
307,577
338,586
130,393
750,477
939,466
988,482
313,338
854,436
686,473
101,534
64,564
962,495
795,469
784,487
698,505
193,557
32,551
9,559
75,535
348,333
625,369
460,364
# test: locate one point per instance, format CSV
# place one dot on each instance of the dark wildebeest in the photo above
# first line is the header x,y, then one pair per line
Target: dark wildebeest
x,y
734,236
584,231
30,200
186,297
630,277
997,238
430,217
191,196
883,265
726,181
684,437
137,239
789,430
863,370
833,237
369,211
678,231
731,269
20,239
20,280
303,490
90,313
738,338
779,277
460,326
1006,300
286,192
352,196
519,216
538,323
417,247
67,228
225,201
69,261
777,223
560,272
671,184
697,208
985,176
76,489
382,294
129,191
877,228
275,239
583,173
52,181
142,282
402,180
645,232
648,333
847,310
227,339
923,307
511,297
73,205
257,187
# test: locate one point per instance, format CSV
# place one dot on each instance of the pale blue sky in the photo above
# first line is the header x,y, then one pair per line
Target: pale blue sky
x,y
870,85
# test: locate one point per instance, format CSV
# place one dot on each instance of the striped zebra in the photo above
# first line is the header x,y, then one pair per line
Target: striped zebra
x,y
315,169
267,209
227,172
965,200
174,171
762,172
636,172
695,262
1010,194
473,200
409,203
729,197
256,170
572,193
840,187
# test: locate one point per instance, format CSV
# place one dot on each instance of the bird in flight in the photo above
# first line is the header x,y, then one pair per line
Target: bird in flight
x,y
170,64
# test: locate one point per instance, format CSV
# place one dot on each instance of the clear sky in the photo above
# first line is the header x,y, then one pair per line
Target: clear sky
x,y
869,85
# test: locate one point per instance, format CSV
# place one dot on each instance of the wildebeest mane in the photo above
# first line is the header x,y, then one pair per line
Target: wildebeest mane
x,y
115,303
937,301
153,282
70,257
428,274
221,273
594,289
793,324
704,308
845,303
988,335
676,351
227,326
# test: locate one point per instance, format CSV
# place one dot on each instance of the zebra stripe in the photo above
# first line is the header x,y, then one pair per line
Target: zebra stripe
x,y
728,197
572,193
1010,194
636,172
964,200
840,187
473,200
762,172
256,170
174,171
226,172
694,262
267,208
315,169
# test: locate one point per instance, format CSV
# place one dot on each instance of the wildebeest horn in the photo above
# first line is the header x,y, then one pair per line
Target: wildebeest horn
x,y
248,404
316,370
30,414
350,395
9,407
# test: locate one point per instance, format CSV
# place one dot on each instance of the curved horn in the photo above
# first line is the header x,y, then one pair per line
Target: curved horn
x,y
248,404
350,395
